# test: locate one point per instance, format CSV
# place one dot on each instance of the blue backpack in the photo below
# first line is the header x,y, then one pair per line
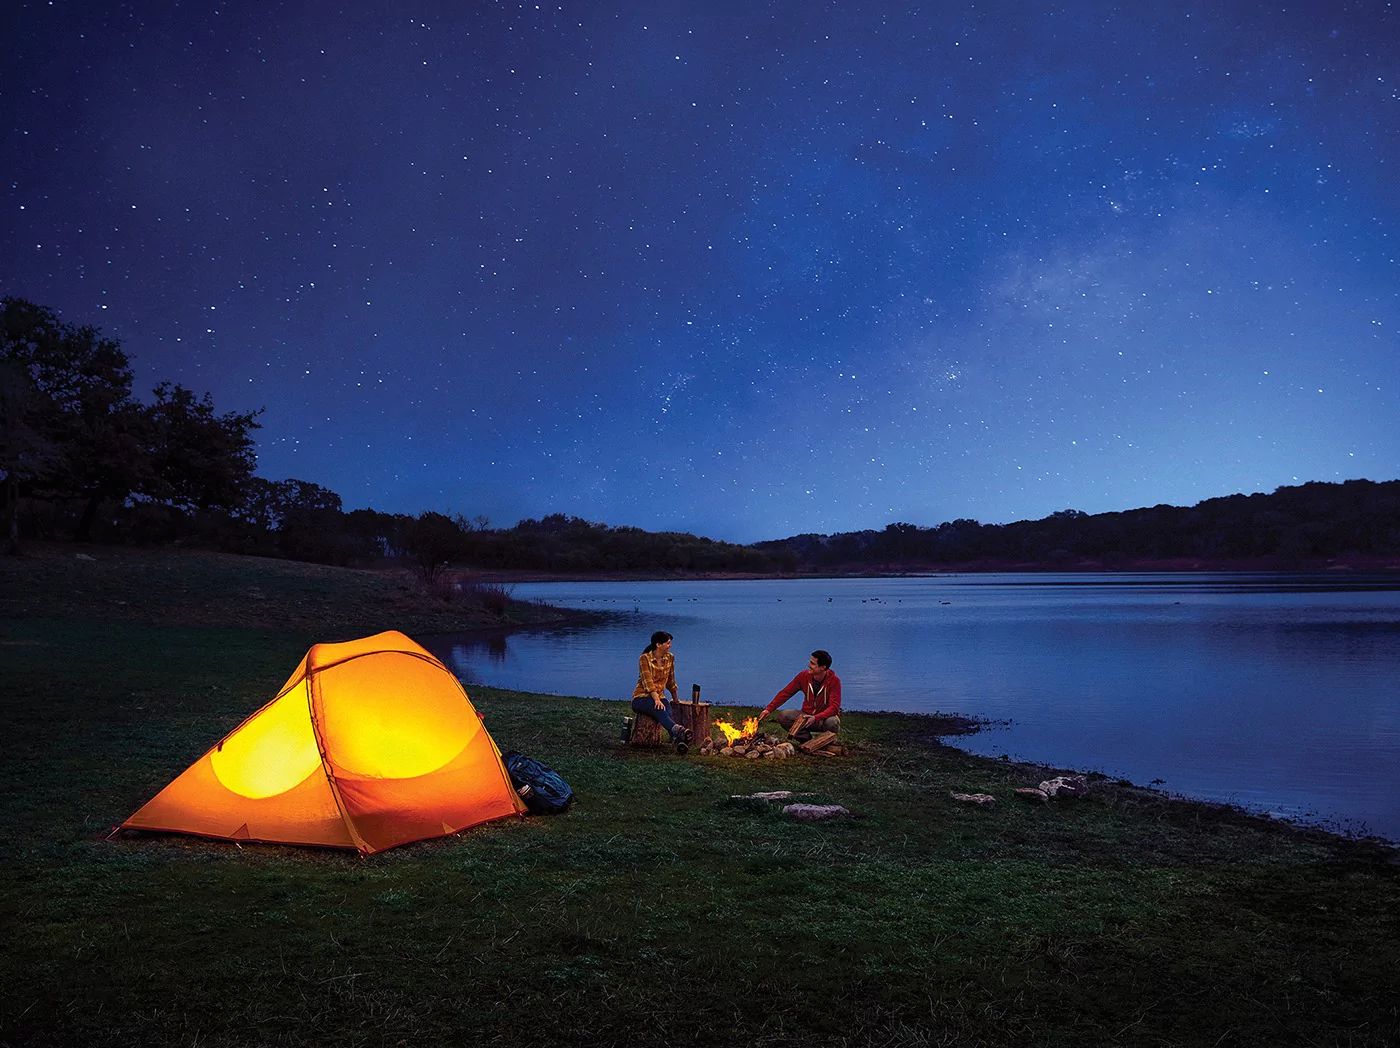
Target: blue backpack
x,y
539,786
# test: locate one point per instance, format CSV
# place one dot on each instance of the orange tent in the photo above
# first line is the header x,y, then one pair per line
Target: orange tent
x,y
371,743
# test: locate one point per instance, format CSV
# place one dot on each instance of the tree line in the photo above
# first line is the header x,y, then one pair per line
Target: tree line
x,y
1293,525
83,458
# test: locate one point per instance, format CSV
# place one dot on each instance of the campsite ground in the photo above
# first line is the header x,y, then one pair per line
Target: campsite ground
x,y
658,910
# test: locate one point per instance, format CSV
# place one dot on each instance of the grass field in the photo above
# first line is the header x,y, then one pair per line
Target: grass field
x,y
659,910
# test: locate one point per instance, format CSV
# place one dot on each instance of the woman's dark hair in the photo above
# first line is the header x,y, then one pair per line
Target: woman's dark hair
x,y
659,637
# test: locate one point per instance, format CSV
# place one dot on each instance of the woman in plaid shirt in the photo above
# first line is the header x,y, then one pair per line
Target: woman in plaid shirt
x,y
656,675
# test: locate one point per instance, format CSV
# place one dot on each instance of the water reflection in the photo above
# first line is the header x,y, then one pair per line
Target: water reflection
x,y
1271,691
492,646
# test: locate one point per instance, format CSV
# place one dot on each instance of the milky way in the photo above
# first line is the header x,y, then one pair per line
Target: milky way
x,y
742,269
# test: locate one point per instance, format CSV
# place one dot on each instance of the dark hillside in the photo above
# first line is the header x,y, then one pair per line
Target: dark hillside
x,y
1313,525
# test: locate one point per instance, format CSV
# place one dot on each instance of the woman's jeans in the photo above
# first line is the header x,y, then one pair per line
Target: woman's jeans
x,y
647,708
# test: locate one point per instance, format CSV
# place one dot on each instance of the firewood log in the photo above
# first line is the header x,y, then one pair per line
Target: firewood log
x,y
801,722
815,744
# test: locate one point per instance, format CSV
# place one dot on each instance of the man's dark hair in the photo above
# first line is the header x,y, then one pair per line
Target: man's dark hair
x,y
823,658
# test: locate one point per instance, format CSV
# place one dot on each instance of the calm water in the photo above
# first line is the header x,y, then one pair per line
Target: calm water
x,y
1275,692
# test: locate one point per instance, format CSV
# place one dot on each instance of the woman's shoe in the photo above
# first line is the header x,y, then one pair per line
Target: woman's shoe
x,y
681,747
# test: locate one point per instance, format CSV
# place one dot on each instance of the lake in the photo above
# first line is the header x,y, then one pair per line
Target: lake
x,y
1275,692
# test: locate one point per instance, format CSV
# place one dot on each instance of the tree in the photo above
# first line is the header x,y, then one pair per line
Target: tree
x,y
433,542
197,459
380,532
302,520
73,431
85,411
24,451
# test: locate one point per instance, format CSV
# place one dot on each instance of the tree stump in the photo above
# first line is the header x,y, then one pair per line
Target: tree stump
x,y
647,731
695,716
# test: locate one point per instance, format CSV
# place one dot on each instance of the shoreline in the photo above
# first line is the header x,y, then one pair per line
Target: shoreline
x,y
1330,566
222,591
928,732
1019,922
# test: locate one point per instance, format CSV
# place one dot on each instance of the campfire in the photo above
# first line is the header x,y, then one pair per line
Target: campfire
x,y
733,734
734,740
745,740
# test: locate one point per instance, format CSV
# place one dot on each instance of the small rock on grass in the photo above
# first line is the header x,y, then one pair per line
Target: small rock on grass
x,y
982,800
1065,786
815,812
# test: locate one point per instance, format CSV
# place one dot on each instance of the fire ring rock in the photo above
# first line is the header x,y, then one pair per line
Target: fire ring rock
x,y
815,812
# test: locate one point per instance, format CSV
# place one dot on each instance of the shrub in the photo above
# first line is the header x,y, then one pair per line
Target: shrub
x,y
495,597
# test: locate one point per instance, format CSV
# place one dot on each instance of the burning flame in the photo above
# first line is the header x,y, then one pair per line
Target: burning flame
x,y
750,727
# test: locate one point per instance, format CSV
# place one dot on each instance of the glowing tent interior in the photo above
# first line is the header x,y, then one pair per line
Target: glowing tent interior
x,y
370,744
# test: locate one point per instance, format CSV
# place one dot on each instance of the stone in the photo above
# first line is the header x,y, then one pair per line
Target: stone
x,y
1035,796
815,812
982,800
1065,786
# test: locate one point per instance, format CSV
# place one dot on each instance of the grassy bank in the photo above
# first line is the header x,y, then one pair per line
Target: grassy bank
x,y
659,910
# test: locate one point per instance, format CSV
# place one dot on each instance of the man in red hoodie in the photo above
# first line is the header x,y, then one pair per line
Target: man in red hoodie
x,y
821,696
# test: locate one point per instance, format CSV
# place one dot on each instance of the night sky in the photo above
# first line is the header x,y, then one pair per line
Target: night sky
x,y
745,269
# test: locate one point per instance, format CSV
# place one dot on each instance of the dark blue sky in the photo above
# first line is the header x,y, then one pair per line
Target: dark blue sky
x,y
742,269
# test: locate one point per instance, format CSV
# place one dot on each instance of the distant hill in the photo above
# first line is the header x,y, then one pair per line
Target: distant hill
x,y
1354,523
563,545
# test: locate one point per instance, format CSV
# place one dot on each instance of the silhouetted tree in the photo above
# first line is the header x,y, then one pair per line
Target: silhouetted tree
x,y
73,431
198,459
85,410
24,450
433,542
380,532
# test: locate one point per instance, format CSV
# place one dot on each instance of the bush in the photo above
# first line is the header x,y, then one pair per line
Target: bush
x,y
495,597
